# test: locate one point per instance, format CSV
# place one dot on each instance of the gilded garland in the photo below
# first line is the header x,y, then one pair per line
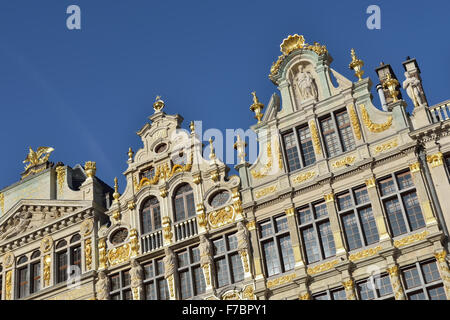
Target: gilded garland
x,y
374,127
355,122
268,166
163,172
315,137
221,217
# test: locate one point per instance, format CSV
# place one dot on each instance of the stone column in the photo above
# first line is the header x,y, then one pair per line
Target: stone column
x,y
444,270
295,239
394,276
422,195
334,222
377,208
440,181
349,286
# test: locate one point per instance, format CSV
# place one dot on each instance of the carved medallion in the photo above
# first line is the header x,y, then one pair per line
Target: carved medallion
x,y
46,243
86,227
8,259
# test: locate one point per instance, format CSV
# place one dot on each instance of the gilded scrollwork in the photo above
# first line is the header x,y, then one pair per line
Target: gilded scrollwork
x,y
60,178
304,177
88,254
221,217
280,280
410,239
322,267
315,137
364,253
265,191
8,285
47,266
385,146
355,122
374,127
119,254
343,162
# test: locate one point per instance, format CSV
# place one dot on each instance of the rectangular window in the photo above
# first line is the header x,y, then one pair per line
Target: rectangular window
x,y
61,266
75,257
306,146
359,224
229,268
422,281
337,133
155,284
277,248
334,294
401,204
23,282
35,277
192,281
121,286
375,288
315,231
290,147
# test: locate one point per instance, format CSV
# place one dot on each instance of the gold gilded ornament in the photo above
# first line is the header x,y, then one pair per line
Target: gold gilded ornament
x,y
221,217
355,122
158,105
88,254
257,107
280,280
8,285
37,158
60,178
344,162
315,137
119,254
322,267
374,127
435,160
391,84
356,64
90,168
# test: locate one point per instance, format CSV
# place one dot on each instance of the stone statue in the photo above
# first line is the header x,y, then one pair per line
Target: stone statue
x,y
205,251
306,85
242,236
137,276
102,287
169,262
16,225
413,87
240,145
136,273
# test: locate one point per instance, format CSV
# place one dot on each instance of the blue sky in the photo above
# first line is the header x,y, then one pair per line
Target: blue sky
x,y
86,92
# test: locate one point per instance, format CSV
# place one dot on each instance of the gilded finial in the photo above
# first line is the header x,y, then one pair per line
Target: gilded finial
x,y
257,107
391,84
192,127
159,104
356,64
90,167
116,194
130,154
240,145
212,154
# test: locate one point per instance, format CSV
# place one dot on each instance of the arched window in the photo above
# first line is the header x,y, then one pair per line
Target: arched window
x,y
28,275
67,255
219,198
150,215
184,203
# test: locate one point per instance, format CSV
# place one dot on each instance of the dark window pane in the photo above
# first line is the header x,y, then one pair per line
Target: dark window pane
x,y
395,217
437,293
310,244
411,277
361,196
330,137
23,282
199,280
326,237
404,180
345,130
61,266
383,285
351,231
344,201
369,225
237,269
115,282
365,293
195,255
219,246
126,278
127,295
321,296
148,270
286,253
290,147
183,259
160,267
339,294
179,209
306,146
270,255
222,272
418,295
36,277
219,199
281,224
387,186
430,272
185,284
320,210
163,290
305,215
232,242
150,293
266,229
413,211
190,204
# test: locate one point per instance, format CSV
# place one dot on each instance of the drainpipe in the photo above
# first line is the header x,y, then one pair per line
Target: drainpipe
x,y
382,97
434,197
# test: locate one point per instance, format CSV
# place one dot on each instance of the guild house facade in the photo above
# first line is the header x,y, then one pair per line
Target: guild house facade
x,y
346,201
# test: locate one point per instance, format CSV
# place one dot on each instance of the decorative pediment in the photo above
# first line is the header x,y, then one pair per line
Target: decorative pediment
x,y
29,215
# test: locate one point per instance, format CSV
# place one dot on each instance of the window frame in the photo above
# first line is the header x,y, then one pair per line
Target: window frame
x,y
226,255
315,223
151,207
275,237
374,289
189,269
122,287
423,287
183,195
156,278
298,145
399,194
329,294
28,266
337,131
68,249
355,210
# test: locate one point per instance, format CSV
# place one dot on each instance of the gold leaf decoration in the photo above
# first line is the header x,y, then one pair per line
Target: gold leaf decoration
x,y
304,176
374,127
410,239
364,254
280,280
343,162
315,137
265,191
119,254
355,122
322,267
385,146
221,217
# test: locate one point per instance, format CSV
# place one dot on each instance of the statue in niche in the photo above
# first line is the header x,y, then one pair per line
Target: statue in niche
x,y
137,276
205,251
306,85
413,87
242,236
169,263
102,287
